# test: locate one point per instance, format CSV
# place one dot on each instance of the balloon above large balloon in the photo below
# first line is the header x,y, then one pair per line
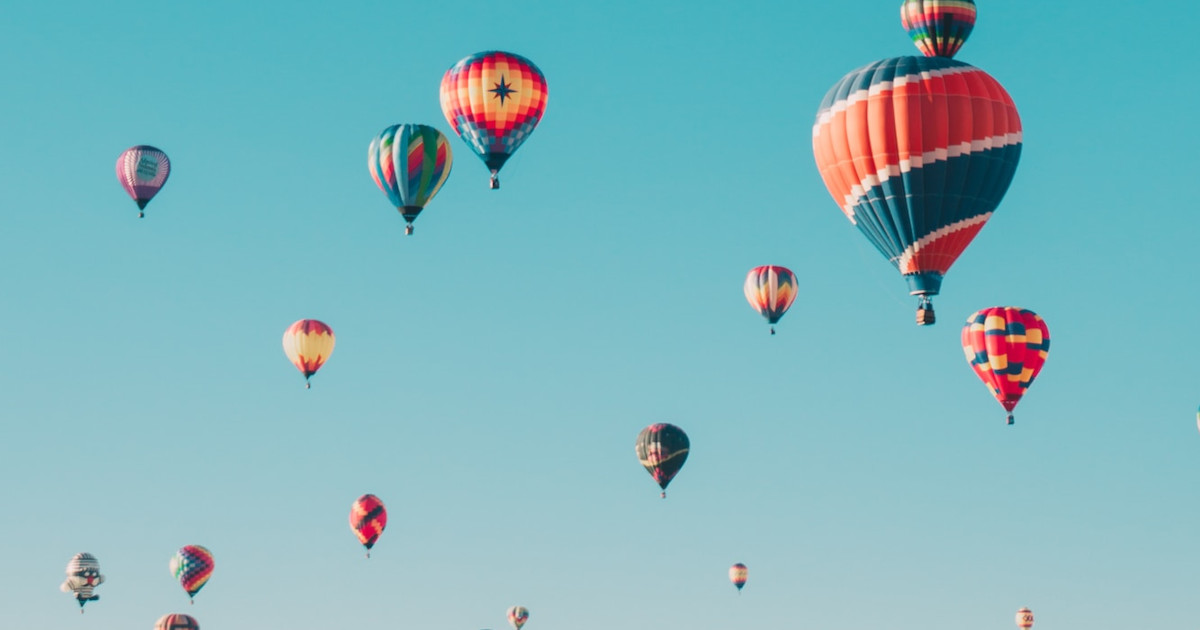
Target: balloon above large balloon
x,y
771,289
83,575
368,517
517,616
1007,347
409,163
938,27
192,565
738,574
662,449
142,171
918,152
1024,619
176,621
493,100
308,344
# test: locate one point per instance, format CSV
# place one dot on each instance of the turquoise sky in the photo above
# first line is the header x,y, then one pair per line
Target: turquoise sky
x,y
493,369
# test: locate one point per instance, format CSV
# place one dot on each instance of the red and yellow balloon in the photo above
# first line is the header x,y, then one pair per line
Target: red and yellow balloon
x,y
1007,347
308,344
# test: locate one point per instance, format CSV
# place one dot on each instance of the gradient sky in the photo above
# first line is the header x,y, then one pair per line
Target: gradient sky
x,y
493,370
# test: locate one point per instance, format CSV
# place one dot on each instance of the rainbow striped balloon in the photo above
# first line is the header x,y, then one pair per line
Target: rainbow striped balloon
x,y
192,566
493,100
1007,347
409,163
368,517
938,27
308,344
918,152
143,171
176,621
771,289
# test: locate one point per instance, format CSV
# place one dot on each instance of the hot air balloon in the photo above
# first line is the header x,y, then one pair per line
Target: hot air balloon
x,y
83,575
409,163
1007,347
738,574
308,344
192,566
368,517
771,289
517,616
493,100
142,171
1025,619
938,27
662,449
918,152
176,621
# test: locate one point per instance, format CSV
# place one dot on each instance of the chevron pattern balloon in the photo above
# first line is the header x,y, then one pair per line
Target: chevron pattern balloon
x,y
308,344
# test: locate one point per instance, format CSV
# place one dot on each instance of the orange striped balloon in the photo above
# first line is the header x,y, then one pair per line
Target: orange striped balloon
x,y
368,517
308,344
738,574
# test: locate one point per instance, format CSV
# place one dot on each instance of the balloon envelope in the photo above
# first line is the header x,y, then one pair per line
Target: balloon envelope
x,y
368,517
409,163
493,100
308,344
1024,619
83,576
918,152
517,616
1006,347
192,566
738,574
770,289
938,27
176,621
142,171
662,449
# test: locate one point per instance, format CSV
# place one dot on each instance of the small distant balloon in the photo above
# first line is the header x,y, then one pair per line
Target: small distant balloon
x,y
1025,619
517,616
1007,347
738,574
83,575
938,27
771,289
308,344
662,449
368,517
142,171
192,565
176,621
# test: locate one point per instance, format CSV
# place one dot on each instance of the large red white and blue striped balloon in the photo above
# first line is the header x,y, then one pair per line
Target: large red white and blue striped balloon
x,y
918,152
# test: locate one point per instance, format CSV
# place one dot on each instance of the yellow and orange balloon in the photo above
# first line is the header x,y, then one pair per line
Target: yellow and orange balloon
x,y
308,344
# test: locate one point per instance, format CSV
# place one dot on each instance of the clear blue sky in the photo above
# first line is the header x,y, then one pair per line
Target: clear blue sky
x,y
493,369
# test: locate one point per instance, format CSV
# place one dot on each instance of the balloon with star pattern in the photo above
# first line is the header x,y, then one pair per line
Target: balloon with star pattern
x,y
493,101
